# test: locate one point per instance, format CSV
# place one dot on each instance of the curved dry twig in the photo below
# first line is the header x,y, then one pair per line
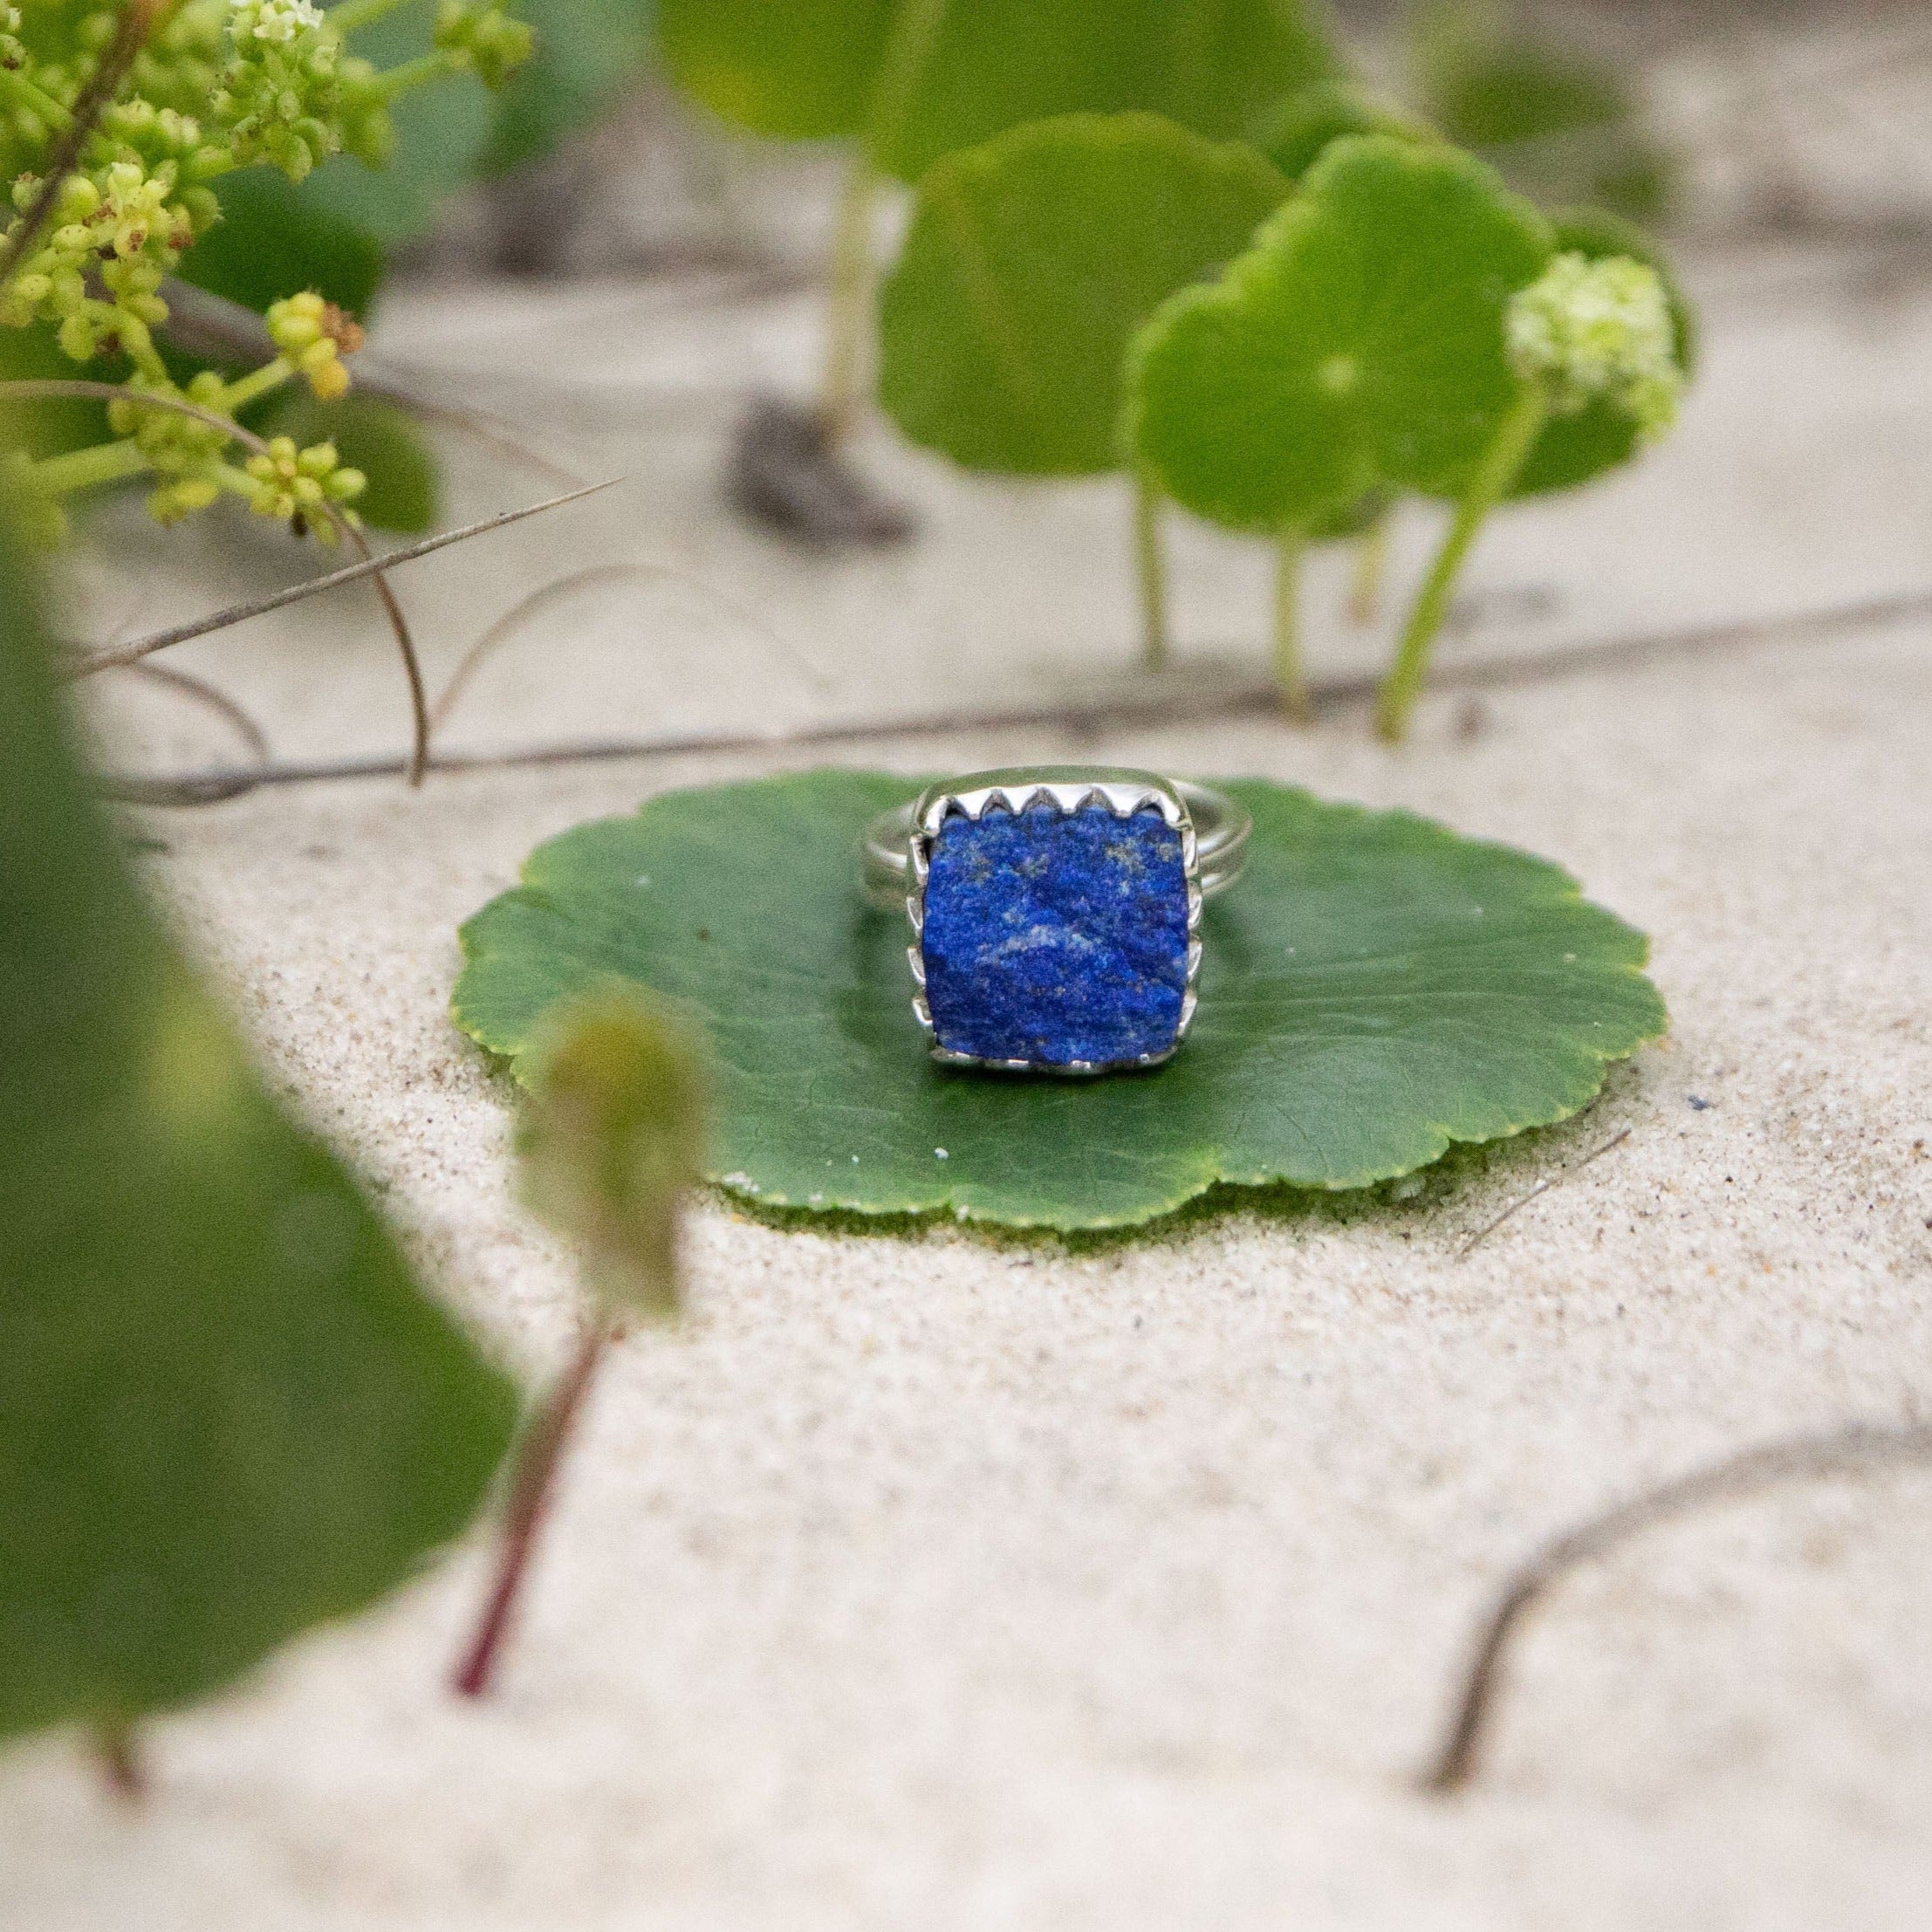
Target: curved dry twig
x,y
1852,1451
32,388
109,656
1159,705
349,532
598,575
216,699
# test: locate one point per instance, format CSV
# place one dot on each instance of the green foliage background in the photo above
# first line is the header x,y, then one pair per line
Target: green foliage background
x,y
227,1413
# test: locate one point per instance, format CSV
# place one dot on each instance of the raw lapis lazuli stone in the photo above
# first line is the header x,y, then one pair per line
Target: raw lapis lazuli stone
x,y
1056,937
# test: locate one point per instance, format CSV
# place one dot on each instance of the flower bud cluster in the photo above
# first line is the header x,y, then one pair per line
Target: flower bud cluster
x,y
314,336
1592,329
281,90
306,488
120,224
486,39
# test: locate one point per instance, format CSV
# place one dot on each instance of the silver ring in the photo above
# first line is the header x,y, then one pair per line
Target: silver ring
x,y
1056,912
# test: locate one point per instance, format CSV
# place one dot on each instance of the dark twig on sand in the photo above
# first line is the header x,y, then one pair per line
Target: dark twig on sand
x,y
1536,1193
1160,706
111,655
1859,1449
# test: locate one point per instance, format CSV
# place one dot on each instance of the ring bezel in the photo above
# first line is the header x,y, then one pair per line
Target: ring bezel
x,y
1122,794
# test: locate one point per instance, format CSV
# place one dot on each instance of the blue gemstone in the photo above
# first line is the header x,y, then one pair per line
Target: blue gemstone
x,y
1054,937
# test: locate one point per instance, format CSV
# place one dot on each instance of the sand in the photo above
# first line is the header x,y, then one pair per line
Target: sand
x,y
938,1583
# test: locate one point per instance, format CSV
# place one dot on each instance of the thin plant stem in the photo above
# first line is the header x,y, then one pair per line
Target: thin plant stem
x,y
394,81
1151,562
1364,583
32,388
599,575
850,300
119,1756
1736,1478
854,268
212,696
1502,463
110,655
1290,674
250,389
101,463
532,1486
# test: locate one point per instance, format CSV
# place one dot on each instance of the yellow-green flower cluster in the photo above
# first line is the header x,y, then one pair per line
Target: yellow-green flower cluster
x,y
184,451
221,85
488,41
280,91
1590,329
314,335
306,488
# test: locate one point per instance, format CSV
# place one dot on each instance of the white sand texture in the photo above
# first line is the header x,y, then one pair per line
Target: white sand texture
x,y
948,1585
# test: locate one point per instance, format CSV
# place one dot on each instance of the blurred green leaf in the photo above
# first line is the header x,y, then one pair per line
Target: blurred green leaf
x,y
1562,125
1296,133
612,1136
1030,262
804,68
383,441
442,132
1573,449
274,240
44,428
1359,346
226,1411
1376,989
587,51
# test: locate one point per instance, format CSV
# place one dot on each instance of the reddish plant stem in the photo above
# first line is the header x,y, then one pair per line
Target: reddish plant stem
x,y
539,1456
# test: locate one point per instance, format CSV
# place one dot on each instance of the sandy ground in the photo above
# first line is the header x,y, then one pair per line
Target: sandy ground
x,y
939,1583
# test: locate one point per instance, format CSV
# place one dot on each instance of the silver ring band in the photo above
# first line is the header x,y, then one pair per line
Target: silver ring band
x,y
1221,827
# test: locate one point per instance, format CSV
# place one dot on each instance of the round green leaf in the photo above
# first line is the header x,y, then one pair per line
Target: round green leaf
x,y
1300,130
1575,449
1564,126
804,68
798,69
227,1412
1375,989
1210,65
1031,261
1359,344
